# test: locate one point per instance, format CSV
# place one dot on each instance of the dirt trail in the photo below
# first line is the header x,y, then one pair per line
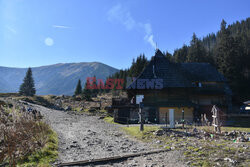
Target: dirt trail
x,y
84,137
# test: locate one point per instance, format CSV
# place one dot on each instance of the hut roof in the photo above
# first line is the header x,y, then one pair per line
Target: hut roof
x,y
178,74
204,72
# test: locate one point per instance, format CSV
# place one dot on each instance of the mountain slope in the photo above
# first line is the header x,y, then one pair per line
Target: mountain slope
x,y
54,79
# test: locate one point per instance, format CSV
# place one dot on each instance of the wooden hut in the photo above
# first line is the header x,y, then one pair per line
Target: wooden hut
x,y
169,88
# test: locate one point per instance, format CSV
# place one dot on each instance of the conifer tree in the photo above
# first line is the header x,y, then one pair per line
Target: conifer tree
x,y
78,89
180,55
228,54
168,55
196,51
27,88
86,93
229,57
95,91
138,65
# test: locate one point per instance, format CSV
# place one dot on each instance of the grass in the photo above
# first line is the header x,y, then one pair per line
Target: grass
x,y
228,129
9,94
110,120
86,110
242,129
145,135
44,157
103,111
40,100
197,152
78,109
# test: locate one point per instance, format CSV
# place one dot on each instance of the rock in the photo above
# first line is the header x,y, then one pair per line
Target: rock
x,y
117,134
232,134
217,159
158,142
241,139
68,108
134,151
218,164
195,130
230,160
159,132
73,146
132,164
101,117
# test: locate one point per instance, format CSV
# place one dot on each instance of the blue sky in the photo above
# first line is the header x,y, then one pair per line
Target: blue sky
x,y
43,32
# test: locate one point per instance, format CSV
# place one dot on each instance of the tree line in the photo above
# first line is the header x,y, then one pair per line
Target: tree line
x,y
228,50
137,66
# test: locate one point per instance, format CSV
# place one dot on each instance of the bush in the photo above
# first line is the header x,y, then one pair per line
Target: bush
x,y
20,136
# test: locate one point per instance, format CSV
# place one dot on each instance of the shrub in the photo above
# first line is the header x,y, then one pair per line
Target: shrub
x,y
20,135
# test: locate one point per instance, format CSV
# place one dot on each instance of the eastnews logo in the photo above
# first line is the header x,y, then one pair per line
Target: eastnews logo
x,y
131,83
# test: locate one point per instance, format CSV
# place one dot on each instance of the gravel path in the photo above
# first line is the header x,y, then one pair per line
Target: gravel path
x,y
84,137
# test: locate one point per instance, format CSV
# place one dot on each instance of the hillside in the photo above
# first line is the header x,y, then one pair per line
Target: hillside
x,y
54,79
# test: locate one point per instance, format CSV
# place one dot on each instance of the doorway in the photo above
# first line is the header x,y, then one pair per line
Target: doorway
x,y
171,118
166,115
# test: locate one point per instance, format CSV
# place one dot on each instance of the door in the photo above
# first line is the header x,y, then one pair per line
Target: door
x,y
163,114
171,118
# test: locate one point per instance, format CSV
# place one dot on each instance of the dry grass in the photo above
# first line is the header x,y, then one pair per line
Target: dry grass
x,y
20,135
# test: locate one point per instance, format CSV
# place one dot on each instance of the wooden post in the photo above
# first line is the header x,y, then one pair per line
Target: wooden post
x,y
166,119
141,119
183,118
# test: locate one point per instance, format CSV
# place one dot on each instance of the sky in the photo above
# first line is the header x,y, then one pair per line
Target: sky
x,y
43,32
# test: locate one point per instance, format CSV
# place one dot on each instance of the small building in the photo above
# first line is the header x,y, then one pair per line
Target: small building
x,y
124,111
169,88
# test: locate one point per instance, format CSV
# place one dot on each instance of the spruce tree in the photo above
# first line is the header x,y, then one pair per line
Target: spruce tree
x,y
168,56
228,54
86,93
196,51
180,55
229,59
78,90
27,88
138,66
95,91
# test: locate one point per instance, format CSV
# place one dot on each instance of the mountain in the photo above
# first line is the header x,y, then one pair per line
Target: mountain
x,y
54,79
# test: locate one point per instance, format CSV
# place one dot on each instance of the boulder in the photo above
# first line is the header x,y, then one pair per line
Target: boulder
x,y
68,108
159,132
242,139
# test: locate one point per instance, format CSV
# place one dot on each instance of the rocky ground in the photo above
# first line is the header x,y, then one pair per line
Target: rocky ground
x,y
84,137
